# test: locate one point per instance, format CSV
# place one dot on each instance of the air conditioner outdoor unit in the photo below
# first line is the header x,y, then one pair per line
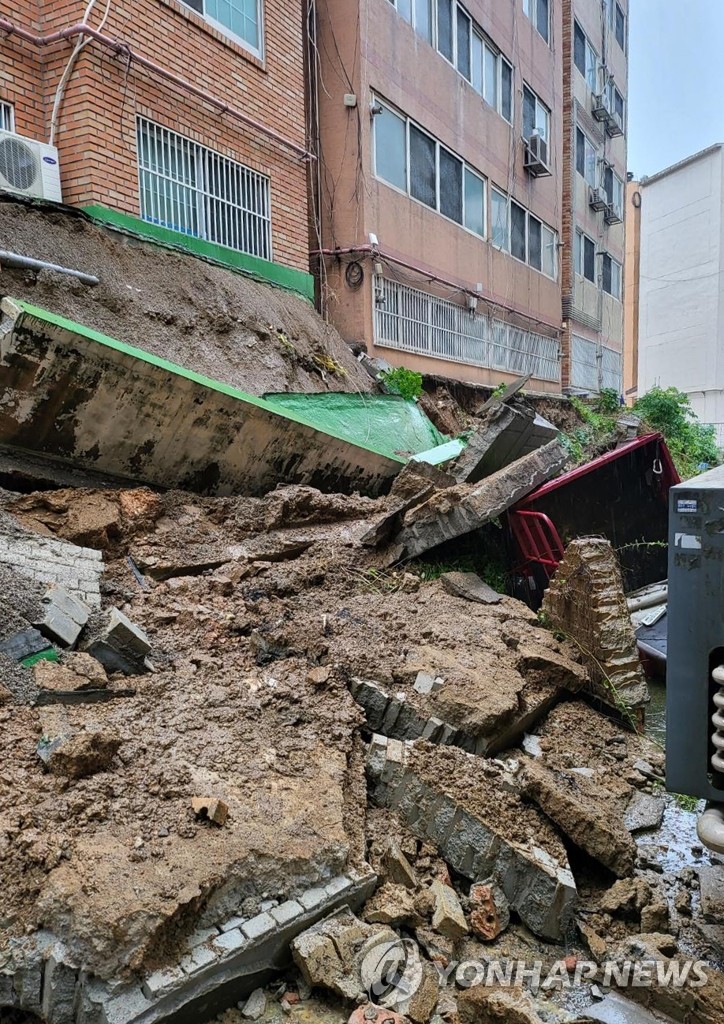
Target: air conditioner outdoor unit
x,y
536,156
613,214
29,168
597,199
599,108
614,126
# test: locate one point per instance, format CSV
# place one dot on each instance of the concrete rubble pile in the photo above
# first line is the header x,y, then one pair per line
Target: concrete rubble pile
x,y
252,762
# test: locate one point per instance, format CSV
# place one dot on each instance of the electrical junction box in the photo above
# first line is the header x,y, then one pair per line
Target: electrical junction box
x,y
695,657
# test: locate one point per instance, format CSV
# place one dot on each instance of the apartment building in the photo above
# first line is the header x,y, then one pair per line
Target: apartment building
x,y
681,283
440,141
595,41
183,116
632,290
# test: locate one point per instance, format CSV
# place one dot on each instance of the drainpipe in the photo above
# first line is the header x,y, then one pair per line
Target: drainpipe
x,y
122,49
14,259
710,828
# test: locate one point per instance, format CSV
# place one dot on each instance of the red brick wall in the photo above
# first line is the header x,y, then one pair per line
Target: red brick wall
x,y
96,134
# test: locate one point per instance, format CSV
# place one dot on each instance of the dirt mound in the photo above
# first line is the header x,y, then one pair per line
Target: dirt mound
x,y
206,318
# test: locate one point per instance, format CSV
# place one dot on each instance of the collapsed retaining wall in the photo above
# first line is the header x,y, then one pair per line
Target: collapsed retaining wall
x,y
223,964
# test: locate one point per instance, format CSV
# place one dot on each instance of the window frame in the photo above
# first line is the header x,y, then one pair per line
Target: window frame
x,y
580,258
466,168
7,110
538,103
593,181
459,13
589,51
533,5
614,293
256,51
617,185
508,202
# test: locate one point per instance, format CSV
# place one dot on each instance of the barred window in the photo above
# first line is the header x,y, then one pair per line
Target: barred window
x,y
7,118
189,188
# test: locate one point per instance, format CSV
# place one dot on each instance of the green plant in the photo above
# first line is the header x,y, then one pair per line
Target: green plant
x,y
403,382
690,442
686,803
608,401
492,572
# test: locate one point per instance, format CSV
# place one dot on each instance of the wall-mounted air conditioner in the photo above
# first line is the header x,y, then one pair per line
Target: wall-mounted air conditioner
x,y
535,158
597,199
599,107
614,126
613,214
29,168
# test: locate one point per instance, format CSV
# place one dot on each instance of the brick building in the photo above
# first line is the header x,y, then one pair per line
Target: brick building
x,y
187,114
595,78
440,144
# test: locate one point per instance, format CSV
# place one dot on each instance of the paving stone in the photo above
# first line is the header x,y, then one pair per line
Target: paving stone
x,y
126,1006
230,942
312,898
258,926
161,981
287,911
337,885
202,935
233,922
197,959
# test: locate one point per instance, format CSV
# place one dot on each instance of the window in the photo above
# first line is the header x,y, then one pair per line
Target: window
x,y
238,18
585,57
391,148
413,161
500,228
619,26
585,257
192,189
613,187
536,116
586,158
539,13
614,101
460,40
7,117
518,232
611,276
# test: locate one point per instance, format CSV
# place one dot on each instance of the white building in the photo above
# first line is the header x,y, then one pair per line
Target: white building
x,y
681,312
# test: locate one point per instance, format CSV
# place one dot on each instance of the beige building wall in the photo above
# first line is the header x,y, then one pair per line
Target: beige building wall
x,y
632,268
368,51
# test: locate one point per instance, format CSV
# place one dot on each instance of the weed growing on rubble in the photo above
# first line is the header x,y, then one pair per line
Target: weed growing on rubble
x,y
403,382
493,573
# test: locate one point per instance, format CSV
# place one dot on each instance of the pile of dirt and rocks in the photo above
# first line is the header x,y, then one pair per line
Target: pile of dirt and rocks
x,y
325,779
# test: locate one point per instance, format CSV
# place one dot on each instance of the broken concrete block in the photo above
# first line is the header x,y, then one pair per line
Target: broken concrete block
x,y
465,507
571,803
62,617
420,1005
448,917
83,754
500,440
655,917
76,672
255,1005
711,881
398,868
120,645
481,1004
626,898
210,808
490,910
345,955
586,600
644,811
469,586
393,905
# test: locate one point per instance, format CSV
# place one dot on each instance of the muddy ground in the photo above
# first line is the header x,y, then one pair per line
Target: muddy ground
x,y
260,612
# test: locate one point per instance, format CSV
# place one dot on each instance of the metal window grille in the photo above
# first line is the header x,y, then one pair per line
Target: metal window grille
x,y
584,364
7,119
415,321
611,369
192,189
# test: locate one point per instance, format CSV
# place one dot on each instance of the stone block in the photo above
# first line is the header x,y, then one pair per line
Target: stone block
x,y
258,926
160,982
197,959
336,886
120,645
125,1006
312,898
448,917
202,935
233,922
287,911
229,942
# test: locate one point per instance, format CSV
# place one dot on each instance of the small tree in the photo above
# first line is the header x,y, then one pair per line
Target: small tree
x,y
403,382
692,444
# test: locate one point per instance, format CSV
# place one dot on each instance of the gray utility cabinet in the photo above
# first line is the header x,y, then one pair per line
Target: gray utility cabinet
x,y
694,694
